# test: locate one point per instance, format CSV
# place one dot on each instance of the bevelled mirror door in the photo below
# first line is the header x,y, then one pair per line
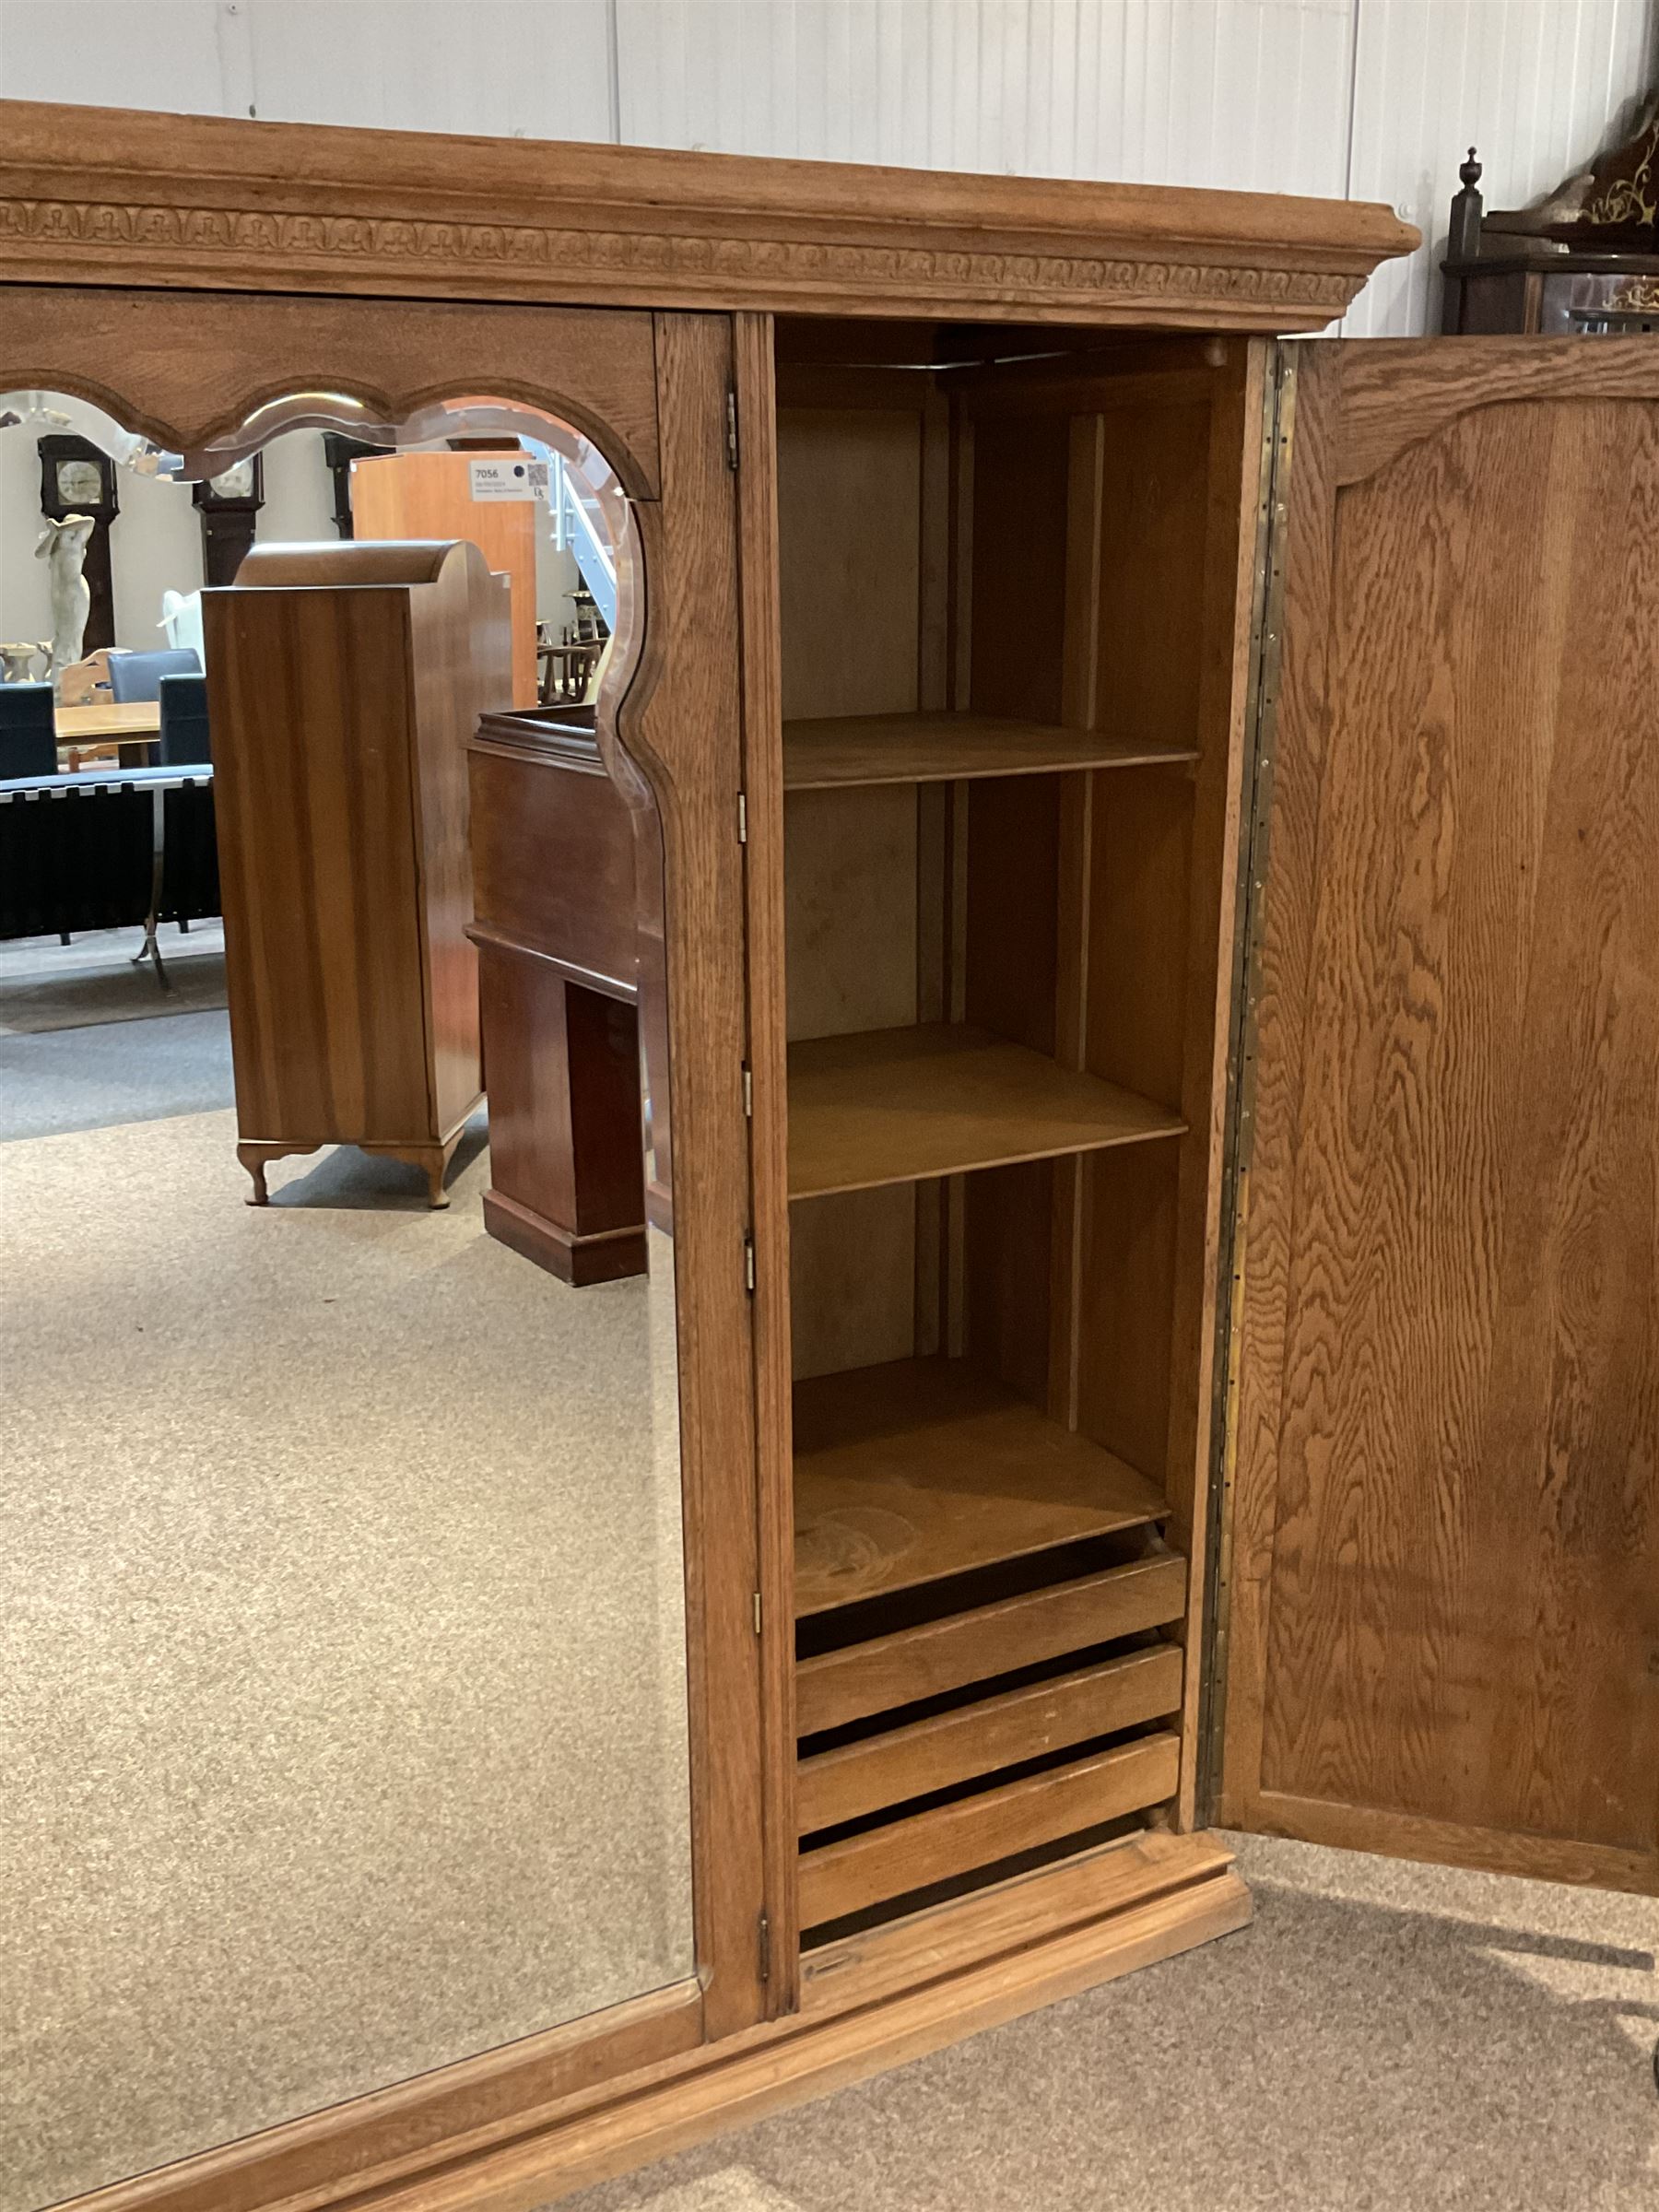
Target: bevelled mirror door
x,y
343,1679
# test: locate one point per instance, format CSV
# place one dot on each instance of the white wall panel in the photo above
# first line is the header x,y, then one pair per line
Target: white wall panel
x,y
505,68
1534,83
1377,97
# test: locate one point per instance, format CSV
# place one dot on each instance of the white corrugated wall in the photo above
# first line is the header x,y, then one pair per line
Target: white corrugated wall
x,y
1376,98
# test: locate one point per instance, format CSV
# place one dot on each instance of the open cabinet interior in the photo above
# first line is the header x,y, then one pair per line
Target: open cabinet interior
x,y
1010,597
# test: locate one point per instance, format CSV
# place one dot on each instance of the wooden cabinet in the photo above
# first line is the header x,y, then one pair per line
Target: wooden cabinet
x,y
1010,733
557,906
403,496
343,682
1146,947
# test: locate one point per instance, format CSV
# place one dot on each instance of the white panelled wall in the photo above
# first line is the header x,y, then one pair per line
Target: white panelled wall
x,y
1372,99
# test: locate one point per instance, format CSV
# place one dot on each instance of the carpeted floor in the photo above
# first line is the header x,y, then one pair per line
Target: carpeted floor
x,y
342,1708
1384,2038
45,985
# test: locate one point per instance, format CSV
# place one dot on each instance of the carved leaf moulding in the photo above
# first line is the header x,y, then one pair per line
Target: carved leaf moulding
x,y
391,244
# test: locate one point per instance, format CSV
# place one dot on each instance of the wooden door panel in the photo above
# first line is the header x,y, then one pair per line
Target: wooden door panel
x,y
1445,1565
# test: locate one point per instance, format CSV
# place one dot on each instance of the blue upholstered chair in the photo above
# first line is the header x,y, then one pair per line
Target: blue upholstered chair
x,y
27,733
184,719
136,676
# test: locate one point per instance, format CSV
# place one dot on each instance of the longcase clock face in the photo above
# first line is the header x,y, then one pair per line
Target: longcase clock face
x,y
233,483
81,484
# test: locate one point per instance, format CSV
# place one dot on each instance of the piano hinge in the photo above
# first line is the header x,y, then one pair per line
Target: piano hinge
x,y
732,430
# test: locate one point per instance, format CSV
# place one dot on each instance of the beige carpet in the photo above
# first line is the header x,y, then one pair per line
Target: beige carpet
x,y
1384,2038
342,1716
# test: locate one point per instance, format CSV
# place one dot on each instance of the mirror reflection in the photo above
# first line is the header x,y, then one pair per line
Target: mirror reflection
x,y
341,1598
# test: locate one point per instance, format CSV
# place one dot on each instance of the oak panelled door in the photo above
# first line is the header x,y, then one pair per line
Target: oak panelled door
x,y
1444,1562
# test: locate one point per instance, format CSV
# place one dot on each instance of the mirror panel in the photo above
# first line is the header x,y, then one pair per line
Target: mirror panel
x,y
343,1625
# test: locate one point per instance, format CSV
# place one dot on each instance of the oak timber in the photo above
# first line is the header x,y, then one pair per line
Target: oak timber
x,y
891,1861
926,1468
102,196
937,749
948,1747
939,1098
1446,1571
912,1664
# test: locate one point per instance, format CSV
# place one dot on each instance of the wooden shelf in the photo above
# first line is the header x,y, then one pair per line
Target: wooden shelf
x,y
940,1099
936,749
945,1750
988,1640
925,1467
933,1846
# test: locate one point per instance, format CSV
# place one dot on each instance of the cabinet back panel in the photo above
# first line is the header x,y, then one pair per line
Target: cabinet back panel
x,y
852,1279
1020,471
1155,495
850,909
850,554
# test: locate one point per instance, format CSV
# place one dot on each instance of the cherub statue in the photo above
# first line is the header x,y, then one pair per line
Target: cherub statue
x,y
63,547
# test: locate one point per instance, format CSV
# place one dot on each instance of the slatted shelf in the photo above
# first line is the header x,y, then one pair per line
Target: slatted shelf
x,y
885,1672
950,1748
950,1839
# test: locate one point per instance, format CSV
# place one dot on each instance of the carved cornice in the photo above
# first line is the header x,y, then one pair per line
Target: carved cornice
x,y
458,250
179,201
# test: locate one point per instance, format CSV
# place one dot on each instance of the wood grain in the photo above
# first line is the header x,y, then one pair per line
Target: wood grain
x,y
757,526
680,723
342,825
863,1870
955,1746
896,1105
100,196
925,1468
911,1663
936,749
1450,1576
189,368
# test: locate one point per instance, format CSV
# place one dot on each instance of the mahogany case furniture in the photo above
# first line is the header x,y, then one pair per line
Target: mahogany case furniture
x,y
343,683
1150,976
557,901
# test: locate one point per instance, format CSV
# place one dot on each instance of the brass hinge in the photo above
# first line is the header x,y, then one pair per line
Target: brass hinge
x,y
748,1091
757,1612
732,430
743,818
749,1262
765,1949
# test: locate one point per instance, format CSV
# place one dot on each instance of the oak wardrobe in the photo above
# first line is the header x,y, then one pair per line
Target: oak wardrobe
x,y
1151,1032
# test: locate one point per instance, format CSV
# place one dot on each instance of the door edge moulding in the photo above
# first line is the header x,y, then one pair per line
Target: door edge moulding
x,y
869,2002
106,195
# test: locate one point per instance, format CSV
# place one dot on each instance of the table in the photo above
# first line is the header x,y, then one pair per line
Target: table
x,y
129,730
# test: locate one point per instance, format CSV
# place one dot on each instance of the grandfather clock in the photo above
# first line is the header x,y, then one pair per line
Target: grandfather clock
x,y
78,477
228,505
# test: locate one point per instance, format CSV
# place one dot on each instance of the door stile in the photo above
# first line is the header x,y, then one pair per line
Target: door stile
x,y
1256,772
754,386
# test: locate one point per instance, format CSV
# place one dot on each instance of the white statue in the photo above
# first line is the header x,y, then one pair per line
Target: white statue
x,y
182,619
63,547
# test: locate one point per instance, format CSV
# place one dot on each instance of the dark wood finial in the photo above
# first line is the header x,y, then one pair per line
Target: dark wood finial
x,y
1463,243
